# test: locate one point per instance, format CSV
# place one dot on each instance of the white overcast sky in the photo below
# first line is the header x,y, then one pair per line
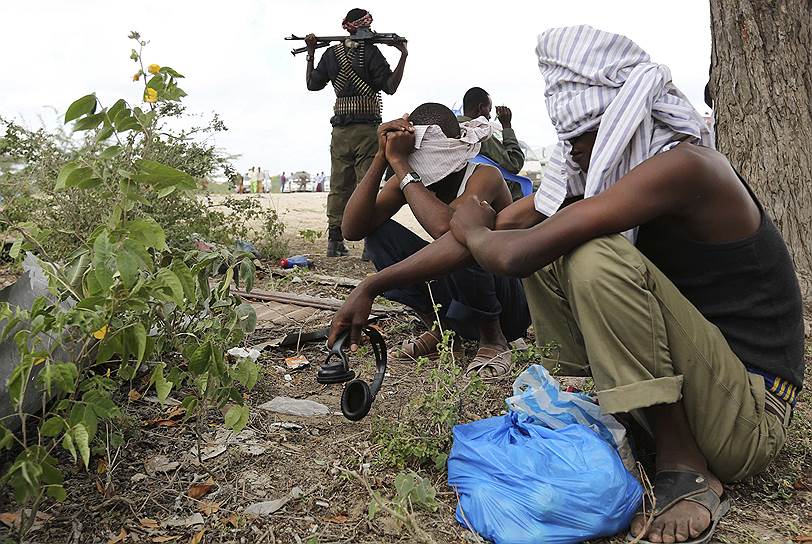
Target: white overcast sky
x,y
237,64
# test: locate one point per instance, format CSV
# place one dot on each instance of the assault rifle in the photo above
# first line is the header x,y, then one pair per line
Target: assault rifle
x,y
361,35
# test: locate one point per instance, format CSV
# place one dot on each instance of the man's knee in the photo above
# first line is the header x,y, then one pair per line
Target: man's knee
x,y
603,259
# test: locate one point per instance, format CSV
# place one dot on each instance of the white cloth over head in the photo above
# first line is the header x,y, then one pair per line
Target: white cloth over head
x,y
435,155
601,81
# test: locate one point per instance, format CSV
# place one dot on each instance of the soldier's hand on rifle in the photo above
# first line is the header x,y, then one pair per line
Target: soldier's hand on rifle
x,y
310,42
504,115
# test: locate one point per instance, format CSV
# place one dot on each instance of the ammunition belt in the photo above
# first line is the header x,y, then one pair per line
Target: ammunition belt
x,y
358,105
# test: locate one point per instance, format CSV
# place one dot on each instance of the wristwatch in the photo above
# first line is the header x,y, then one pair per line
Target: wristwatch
x,y
409,178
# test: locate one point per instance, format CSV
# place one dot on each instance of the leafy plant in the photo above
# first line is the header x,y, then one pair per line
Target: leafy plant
x,y
421,434
122,304
411,491
311,235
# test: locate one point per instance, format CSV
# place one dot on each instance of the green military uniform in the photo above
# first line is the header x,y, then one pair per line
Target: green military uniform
x,y
508,154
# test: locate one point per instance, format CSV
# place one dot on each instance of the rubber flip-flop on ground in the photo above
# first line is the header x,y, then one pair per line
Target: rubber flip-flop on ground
x,y
501,361
673,486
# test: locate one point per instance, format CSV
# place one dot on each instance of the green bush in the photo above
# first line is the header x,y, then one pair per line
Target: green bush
x,y
122,299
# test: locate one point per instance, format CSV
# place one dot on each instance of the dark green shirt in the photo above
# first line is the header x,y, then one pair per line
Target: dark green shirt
x,y
508,154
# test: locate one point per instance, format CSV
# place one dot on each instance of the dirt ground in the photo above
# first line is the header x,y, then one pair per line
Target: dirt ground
x,y
146,488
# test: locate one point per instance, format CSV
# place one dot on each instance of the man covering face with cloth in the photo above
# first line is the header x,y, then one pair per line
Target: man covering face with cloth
x,y
691,320
429,153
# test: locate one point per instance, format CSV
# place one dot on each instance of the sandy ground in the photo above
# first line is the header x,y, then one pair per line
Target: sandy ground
x,y
301,211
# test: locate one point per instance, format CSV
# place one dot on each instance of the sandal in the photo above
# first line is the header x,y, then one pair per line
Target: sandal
x,y
424,345
501,361
673,486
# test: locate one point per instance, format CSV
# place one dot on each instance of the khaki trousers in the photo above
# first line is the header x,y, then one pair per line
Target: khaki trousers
x,y
617,317
352,149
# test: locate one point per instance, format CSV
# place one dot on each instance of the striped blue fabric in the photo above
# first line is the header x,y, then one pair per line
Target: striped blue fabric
x,y
601,81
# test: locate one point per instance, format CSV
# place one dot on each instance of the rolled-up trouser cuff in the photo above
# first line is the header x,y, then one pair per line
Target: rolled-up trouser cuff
x,y
633,396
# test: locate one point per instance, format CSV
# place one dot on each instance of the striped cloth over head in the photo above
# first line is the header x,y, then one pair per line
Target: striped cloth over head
x,y
601,81
435,155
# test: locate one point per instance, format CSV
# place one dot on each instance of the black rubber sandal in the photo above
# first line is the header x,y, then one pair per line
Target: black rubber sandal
x,y
673,486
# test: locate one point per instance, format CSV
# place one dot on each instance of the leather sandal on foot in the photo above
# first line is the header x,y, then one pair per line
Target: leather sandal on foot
x,y
501,361
673,486
424,345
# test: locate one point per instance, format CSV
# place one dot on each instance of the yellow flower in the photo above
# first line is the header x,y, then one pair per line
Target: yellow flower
x,y
101,333
137,75
153,68
150,95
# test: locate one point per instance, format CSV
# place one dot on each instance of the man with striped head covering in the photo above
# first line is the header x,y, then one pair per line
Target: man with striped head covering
x,y
696,326
595,79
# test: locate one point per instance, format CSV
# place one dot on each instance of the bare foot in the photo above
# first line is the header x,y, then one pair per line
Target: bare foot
x,y
684,521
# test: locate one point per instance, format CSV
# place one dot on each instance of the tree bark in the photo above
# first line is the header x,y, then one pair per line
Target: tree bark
x,y
761,86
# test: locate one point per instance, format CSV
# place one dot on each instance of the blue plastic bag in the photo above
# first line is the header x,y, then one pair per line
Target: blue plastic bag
x,y
536,393
522,483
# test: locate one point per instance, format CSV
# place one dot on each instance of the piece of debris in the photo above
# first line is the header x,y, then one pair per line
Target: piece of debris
x,y
338,281
295,407
286,425
194,519
209,452
310,301
297,362
197,491
208,507
265,508
242,353
149,523
159,463
169,401
137,477
119,538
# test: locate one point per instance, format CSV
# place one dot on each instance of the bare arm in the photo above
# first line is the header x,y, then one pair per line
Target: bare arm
x,y
663,185
397,75
318,82
442,256
367,208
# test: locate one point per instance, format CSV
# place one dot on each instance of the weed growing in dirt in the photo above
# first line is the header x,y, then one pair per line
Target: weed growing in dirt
x,y
421,434
311,235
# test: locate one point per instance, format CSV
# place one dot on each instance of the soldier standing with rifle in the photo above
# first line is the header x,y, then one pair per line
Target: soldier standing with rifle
x,y
359,72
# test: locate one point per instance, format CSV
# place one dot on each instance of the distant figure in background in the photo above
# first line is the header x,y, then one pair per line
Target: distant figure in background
x,y
508,153
238,181
358,73
258,175
282,180
320,182
252,180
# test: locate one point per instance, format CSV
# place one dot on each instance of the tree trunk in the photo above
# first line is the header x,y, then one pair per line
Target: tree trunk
x,y
761,86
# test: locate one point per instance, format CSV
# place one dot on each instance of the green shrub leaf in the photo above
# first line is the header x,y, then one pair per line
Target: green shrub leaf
x,y
237,417
82,106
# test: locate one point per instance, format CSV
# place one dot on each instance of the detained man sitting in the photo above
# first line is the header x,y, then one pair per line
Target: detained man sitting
x,y
653,266
429,152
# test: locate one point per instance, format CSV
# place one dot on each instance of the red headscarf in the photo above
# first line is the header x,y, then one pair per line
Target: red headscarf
x,y
352,26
